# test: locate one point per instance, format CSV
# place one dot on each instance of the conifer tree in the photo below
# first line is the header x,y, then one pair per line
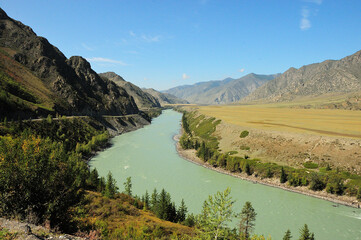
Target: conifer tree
x,y
110,186
128,186
287,235
182,211
283,177
248,216
154,201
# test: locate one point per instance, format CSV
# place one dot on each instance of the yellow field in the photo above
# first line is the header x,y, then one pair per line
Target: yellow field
x,y
332,122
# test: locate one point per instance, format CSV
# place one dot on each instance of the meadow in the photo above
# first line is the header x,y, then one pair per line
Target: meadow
x,y
329,122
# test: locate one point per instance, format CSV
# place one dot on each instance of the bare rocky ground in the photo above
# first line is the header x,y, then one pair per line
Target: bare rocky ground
x,y
27,231
293,149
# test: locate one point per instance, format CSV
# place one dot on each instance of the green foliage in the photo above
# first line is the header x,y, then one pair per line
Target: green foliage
x,y
244,148
110,186
216,213
287,235
25,162
358,196
182,212
317,184
310,165
283,177
244,134
248,216
128,186
306,234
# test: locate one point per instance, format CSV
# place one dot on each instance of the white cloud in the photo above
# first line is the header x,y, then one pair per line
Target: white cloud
x,y
106,60
241,70
185,76
87,47
131,33
149,38
305,23
319,2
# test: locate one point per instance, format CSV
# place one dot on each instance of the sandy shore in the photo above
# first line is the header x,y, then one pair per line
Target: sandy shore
x,y
190,155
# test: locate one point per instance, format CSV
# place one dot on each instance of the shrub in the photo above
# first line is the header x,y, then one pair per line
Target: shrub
x,y
310,165
244,134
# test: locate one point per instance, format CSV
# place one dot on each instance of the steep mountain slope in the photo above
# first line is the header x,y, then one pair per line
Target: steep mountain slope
x,y
141,98
38,78
328,77
220,92
164,98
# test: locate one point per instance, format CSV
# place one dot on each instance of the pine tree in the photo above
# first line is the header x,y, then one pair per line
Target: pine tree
x,y
146,200
93,180
110,186
182,211
128,186
248,216
248,169
154,201
101,185
305,234
287,235
283,177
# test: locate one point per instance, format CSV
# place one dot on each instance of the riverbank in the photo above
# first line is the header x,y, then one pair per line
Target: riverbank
x,y
190,155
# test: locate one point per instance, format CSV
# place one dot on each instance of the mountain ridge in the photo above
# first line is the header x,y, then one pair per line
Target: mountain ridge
x,y
329,76
224,91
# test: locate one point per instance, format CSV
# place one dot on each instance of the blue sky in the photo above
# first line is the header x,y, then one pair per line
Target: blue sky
x,y
166,43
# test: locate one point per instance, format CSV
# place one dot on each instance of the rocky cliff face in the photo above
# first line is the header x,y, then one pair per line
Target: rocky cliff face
x,y
76,89
342,76
143,99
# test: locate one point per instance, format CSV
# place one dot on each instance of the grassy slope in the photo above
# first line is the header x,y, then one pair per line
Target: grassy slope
x,y
118,219
27,88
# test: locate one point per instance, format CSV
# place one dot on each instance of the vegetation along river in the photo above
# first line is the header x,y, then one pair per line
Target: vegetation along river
x,y
149,156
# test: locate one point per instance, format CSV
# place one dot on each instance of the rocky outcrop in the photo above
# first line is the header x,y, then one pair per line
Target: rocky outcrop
x,y
143,99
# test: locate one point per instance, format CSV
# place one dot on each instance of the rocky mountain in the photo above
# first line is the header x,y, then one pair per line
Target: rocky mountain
x,y
142,99
220,92
329,77
36,79
164,98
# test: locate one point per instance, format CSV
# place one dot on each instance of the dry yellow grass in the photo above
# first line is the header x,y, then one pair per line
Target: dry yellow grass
x,y
343,123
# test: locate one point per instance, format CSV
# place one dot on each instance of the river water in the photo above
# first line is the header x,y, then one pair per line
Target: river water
x,y
149,157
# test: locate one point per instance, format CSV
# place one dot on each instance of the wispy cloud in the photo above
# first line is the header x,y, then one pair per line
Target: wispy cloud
x,y
87,47
305,22
106,60
319,2
241,70
131,33
185,76
149,38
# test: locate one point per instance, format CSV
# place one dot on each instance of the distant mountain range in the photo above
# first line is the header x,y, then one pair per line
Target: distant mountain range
x,y
328,77
221,92
165,98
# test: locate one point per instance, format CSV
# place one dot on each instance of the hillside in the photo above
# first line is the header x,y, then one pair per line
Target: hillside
x,y
165,98
327,78
220,92
141,98
37,79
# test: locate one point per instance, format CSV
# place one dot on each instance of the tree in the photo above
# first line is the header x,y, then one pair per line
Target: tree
x,y
248,216
93,180
306,234
110,186
287,235
248,169
182,211
359,194
146,200
316,183
154,201
283,177
216,213
128,186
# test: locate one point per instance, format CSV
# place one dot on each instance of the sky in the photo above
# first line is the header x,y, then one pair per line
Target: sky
x,y
166,43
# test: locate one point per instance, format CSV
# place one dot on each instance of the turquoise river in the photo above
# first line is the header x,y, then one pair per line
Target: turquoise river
x,y
149,156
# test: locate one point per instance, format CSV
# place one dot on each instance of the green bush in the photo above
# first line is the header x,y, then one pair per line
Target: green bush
x,y
244,134
310,165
